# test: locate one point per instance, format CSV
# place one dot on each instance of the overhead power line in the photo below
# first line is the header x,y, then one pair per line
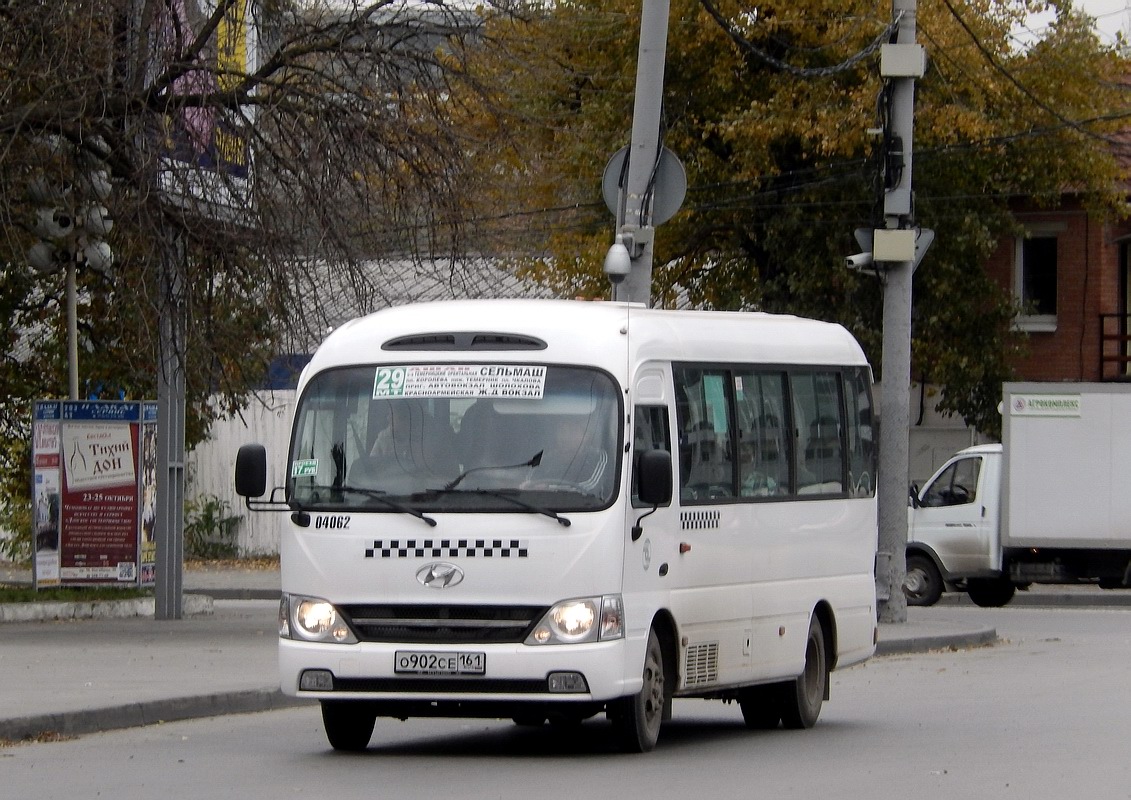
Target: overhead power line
x,y
992,60
784,66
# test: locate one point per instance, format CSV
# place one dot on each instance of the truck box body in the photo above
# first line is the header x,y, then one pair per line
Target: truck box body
x,y
1067,450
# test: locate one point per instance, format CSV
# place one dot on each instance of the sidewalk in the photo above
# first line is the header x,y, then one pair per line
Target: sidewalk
x,y
78,676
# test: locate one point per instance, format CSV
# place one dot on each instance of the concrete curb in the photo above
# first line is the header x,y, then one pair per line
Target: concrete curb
x,y
242,594
921,643
153,712
1112,598
192,604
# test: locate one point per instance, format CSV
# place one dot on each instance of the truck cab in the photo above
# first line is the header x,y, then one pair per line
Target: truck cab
x,y
953,531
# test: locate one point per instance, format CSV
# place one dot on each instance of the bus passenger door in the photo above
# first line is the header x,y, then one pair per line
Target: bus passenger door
x,y
711,576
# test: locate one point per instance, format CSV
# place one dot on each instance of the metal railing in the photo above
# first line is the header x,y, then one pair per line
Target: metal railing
x,y
1115,347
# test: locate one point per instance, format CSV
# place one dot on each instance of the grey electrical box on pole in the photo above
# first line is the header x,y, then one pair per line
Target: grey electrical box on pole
x,y
895,245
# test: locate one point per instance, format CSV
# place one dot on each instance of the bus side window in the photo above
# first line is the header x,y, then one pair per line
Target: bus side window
x,y
861,450
820,463
650,432
763,464
705,450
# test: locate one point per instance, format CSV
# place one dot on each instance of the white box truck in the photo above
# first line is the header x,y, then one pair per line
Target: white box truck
x,y
1050,504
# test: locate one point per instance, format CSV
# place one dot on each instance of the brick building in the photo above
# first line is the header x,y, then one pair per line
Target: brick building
x,y
1070,269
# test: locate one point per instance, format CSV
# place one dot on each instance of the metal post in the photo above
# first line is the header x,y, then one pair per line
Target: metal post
x,y
896,396
72,328
169,532
644,150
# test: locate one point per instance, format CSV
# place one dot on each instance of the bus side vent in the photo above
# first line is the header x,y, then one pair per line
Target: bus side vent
x,y
699,520
702,664
465,340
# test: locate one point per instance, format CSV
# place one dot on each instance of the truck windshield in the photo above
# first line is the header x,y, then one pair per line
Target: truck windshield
x,y
456,437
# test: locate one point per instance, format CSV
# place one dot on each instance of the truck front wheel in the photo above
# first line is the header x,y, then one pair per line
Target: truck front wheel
x,y
990,592
923,584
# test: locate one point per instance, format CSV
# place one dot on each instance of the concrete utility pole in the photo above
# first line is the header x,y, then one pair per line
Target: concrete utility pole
x,y
169,533
636,231
894,246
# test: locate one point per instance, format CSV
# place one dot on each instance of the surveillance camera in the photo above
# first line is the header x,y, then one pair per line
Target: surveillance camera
x,y
858,261
618,262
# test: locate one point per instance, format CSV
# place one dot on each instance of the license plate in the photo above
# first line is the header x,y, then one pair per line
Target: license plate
x,y
417,662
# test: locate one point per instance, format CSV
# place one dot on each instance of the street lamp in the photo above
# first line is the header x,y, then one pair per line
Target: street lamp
x,y
70,226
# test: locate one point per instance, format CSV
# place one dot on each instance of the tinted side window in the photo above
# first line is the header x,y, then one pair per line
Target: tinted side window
x,y
820,432
763,446
861,441
706,469
756,433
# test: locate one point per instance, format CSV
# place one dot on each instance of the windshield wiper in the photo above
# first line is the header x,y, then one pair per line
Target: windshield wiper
x,y
533,462
506,495
381,496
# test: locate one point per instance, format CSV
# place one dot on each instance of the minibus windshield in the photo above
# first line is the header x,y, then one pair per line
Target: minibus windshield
x,y
416,438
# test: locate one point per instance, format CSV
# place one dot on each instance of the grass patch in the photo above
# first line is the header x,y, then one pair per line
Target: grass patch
x,y
243,562
69,594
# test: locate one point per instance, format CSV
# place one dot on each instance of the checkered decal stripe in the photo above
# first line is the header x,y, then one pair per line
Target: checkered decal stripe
x,y
447,548
698,520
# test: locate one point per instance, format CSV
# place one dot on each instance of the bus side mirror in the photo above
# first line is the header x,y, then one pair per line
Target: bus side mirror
x,y
655,477
913,495
251,470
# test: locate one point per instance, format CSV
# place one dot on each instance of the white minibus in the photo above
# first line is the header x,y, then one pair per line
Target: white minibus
x,y
546,510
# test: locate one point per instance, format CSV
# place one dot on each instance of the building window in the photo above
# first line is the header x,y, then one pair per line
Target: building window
x,y
1035,280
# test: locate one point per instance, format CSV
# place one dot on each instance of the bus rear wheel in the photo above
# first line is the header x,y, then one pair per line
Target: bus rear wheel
x,y
803,697
348,725
637,719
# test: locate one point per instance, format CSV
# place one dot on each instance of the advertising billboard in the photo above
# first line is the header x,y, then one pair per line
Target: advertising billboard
x,y
94,494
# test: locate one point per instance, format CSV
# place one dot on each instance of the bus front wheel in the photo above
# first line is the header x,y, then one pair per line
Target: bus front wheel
x,y
348,725
637,719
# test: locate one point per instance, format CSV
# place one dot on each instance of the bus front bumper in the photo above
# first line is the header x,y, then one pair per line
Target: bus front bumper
x,y
465,675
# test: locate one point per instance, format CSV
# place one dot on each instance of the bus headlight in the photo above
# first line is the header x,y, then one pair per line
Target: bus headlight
x,y
312,619
585,619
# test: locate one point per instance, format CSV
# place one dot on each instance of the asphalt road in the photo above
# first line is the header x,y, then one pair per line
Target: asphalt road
x,y
1045,713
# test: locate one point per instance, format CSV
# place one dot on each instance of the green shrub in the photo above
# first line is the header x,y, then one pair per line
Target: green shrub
x,y
15,522
211,529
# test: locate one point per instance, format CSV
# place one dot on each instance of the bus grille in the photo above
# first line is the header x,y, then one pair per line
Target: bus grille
x,y
441,624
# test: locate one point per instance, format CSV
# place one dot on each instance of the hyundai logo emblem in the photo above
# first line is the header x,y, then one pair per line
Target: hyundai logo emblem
x,y
439,575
